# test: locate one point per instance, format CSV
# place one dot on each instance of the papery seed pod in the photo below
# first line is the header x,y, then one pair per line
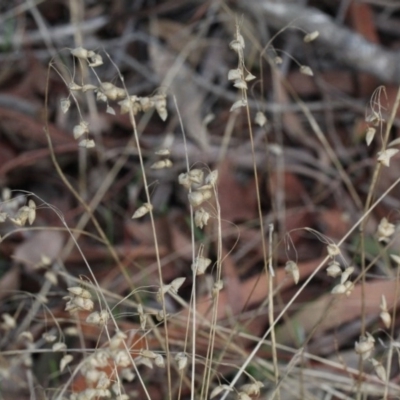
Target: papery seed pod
x,y
365,346
48,337
21,216
127,374
161,292
181,359
142,210
162,152
129,104
201,218
146,361
339,289
83,303
333,250
184,180
167,163
385,156
199,197
235,74
104,382
26,336
386,319
3,216
75,87
219,389
195,198
204,188
385,230
147,353
65,105
122,359
112,92
88,87
217,287
310,36
349,287
96,61
87,143
110,110
143,320
117,339
93,318
146,103
79,291
395,258
334,269
78,131
238,104
100,96
379,370
293,269
212,177
65,361
252,389
346,274
51,277
161,106
243,396
305,70
80,52
160,316
159,361
200,265
278,60
369,135
394,142
176,284
240,84
31,212
374,118
235,46
260,118
59,346
249,77
196,176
